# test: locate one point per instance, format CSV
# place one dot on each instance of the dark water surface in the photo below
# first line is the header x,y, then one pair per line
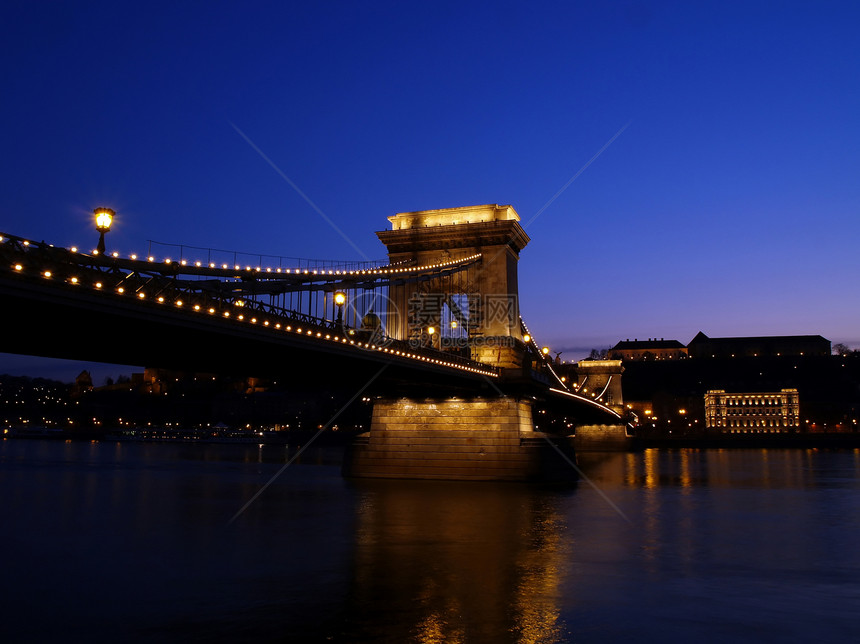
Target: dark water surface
x,y
132,542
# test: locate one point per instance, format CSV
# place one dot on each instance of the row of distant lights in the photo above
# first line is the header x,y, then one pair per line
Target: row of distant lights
x,y
389,269
299,271
402,354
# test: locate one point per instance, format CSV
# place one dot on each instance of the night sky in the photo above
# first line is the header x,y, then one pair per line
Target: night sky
x,y
726,202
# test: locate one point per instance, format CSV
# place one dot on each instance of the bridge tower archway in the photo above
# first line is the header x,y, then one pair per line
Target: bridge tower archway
x,y
483,304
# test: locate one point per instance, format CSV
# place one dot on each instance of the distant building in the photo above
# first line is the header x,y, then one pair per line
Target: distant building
x,y
752,413
782,345
650,349
83,383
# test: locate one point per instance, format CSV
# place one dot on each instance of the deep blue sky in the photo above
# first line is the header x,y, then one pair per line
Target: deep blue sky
x,y
729,204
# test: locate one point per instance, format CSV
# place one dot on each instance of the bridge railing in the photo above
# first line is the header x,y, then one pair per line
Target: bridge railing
x,y
372,337
221,256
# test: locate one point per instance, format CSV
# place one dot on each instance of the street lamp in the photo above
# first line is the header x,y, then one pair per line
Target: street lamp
x,y
545,351
340,300
104,217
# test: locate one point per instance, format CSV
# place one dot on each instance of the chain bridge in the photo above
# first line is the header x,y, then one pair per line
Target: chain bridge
x,y
435,334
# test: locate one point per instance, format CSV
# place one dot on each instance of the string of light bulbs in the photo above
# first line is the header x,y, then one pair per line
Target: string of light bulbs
x,y
141,295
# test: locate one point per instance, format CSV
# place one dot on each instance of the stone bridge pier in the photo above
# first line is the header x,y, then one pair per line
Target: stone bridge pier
x,y
454,438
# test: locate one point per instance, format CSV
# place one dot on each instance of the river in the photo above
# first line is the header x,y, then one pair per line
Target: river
x,y
109,541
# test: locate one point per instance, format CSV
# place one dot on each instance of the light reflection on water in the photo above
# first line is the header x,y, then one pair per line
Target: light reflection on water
x,y
131,541
481,562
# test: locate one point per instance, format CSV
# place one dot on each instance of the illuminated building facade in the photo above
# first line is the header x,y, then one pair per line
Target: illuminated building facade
x,y
752,413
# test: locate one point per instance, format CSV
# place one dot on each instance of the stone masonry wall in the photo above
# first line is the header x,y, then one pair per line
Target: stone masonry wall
x,y
490,439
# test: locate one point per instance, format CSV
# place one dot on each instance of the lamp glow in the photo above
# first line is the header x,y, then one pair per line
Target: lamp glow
x,y
104,218
339,300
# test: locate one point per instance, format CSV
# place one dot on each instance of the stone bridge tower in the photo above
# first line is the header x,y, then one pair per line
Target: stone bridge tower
x,y
485,300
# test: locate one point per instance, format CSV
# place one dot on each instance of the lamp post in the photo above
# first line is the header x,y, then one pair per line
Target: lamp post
x,y
104,217
431,330
339,300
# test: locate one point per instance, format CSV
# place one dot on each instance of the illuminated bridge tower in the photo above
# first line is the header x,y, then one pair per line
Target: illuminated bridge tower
x,y
476,310
445,433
